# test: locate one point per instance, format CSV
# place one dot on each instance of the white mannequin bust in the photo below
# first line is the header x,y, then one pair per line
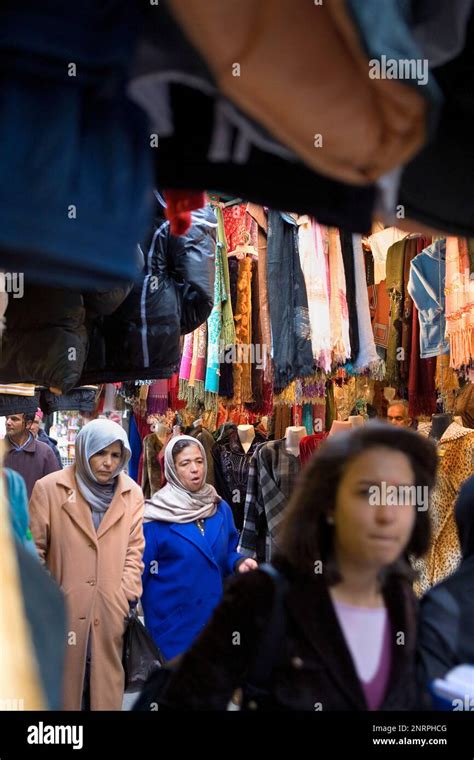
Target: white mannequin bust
x,y
246,435
293,436
160,430
356,420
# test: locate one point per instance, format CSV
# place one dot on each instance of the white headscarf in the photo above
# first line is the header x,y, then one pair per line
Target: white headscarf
x,y
173,502
92,438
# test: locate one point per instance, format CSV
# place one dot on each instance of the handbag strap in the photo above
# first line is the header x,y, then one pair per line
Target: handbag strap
x,y
272,641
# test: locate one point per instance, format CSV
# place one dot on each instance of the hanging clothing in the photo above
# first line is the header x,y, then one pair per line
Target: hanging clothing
x,y
258,214
349,274
459,291
309,444
367,358
291,332
339,312
92,177
394,283
152,474
313,261
379,243
376,141
272,476
214,326
426,286
422,385
231,469
456,464
243,318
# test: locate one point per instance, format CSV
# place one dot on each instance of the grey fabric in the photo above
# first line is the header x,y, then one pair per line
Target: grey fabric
x,y
273,475
94,437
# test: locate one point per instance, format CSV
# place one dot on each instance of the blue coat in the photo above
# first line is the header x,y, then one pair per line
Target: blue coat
x,y
183,576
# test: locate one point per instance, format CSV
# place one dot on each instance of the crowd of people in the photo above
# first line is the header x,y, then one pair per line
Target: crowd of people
x,y
351,633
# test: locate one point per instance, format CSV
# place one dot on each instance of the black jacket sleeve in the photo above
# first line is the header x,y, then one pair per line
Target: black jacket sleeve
x,y
192,259
437,636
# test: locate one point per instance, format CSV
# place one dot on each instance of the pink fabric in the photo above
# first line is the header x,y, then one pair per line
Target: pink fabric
x,y
185,367
367,634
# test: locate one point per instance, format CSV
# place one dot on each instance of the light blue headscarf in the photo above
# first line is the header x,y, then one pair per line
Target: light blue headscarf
x,y
91,439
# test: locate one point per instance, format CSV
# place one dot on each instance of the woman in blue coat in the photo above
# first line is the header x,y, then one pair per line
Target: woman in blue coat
x,y
190,547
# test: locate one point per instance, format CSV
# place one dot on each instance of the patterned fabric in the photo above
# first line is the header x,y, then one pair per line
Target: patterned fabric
x,y
272,476
459,303
456,448
214,326
314,264
228,327
242,373
291,333
339,311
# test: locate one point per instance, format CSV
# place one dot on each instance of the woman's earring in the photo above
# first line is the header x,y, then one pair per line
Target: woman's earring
x,y
330,519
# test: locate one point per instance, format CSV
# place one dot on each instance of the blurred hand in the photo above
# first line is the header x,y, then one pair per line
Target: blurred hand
x,y
246,565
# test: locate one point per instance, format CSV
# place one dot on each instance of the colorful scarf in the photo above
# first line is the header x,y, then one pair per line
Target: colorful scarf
x,y
459,289
338,309
214,327
314,267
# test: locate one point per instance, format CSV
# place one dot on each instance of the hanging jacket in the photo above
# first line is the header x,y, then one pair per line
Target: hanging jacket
x,y
88,187
46,337
172,296
426,287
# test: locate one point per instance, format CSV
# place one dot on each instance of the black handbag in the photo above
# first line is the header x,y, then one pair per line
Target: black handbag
x,y
256,690
141,656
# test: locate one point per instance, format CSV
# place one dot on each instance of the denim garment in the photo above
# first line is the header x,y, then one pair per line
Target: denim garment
x,y
76,164
426,287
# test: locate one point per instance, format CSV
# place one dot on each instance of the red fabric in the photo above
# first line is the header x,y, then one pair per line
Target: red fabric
x,y
421,379
179,204
309,444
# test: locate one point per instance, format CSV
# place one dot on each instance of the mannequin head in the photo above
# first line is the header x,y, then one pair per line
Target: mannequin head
x,y
344,520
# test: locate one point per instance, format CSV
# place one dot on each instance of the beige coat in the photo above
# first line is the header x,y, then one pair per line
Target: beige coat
x,y
99,574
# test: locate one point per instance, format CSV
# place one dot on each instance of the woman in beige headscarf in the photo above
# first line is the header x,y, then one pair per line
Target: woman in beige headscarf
x,y
87,523
190,547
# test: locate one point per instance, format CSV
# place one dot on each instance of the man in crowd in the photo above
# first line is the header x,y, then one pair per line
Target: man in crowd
x,y
397,414
23,453
42,436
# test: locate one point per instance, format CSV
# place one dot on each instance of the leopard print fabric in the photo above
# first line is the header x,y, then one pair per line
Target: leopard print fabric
x,y
456,464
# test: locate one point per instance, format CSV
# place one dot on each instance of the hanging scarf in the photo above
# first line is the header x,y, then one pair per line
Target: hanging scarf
x,y
185,367
367,357
338,309
243,320
394,281
92,438
214,326
314,267
228,327
459,291
174,503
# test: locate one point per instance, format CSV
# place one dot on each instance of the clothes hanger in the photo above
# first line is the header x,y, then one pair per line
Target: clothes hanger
x,y
242,249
